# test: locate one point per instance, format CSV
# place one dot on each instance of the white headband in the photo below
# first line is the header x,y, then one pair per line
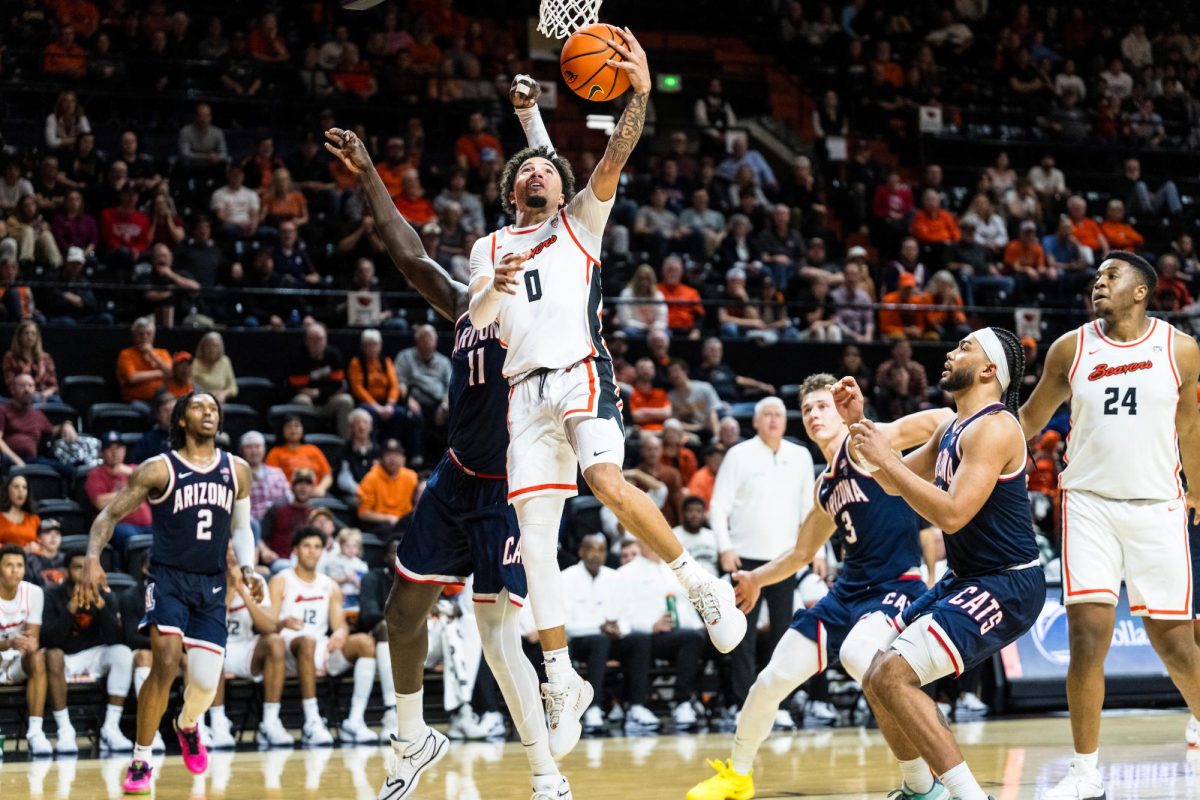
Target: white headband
x,y
990,342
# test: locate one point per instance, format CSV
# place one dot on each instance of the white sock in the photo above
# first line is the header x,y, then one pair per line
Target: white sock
x,y
962,784
540,760
311,712
410,715
917,775
112,716
1091,761
35,727
141,753
387,683
687,571
364,681
270,713
62,719
139,677
216,714
558,665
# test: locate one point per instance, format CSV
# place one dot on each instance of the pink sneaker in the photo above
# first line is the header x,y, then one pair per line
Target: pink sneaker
x,y
195,756
137,778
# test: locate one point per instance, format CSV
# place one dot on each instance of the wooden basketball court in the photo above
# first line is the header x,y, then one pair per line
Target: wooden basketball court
x,y
1143,756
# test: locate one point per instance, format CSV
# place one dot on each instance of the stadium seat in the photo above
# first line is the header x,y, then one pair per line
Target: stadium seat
x,y
329,445
338,507
70,516
795,424
306,414
44,482
237,419
258,393
790,394
84,391
78,542
120,581
137,550
115,417
374,550
58,413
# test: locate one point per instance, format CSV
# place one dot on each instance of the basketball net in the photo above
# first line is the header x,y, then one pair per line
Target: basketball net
x,y
561,18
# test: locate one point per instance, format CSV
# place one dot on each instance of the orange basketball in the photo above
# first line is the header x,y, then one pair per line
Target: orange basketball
x,y
584,67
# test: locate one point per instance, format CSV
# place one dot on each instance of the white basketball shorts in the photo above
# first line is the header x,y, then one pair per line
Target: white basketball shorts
x,y
239,655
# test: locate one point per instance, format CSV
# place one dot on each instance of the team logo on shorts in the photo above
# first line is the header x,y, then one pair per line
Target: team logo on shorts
x,y
149,596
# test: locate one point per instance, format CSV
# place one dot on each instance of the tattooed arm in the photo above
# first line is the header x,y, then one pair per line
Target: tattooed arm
x,y
629,127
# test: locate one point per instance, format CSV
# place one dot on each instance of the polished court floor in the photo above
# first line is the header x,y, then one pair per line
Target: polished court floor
x,y
1143,756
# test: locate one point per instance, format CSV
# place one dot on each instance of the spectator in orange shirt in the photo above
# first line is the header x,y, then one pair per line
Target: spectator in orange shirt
x,y
675,454
180,382
412,203
64,57
701,484
896,323
142,368
934,227
425,55
684,310
893,73
1171,293
1119,234
950,325
1087,232
291,453
376,389
283,202
385,494
1025,260
82,15
649,405
353,75
18,524
473,145
265,42
394,166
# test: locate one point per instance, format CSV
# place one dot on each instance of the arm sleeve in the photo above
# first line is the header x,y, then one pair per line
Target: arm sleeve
x,y
345,479
722,501
484,304
243,536
535,129
591,212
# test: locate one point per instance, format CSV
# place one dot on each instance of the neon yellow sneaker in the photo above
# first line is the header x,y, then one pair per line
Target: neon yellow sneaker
x,y
727,784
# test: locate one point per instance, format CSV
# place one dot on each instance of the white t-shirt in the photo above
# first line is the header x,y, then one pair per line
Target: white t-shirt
x,y
553,320
760,497
341,567
702,545
591,601
238,207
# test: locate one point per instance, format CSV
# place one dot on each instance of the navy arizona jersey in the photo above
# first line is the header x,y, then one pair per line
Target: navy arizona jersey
x,y
192,516
478,418
878,532
1000,535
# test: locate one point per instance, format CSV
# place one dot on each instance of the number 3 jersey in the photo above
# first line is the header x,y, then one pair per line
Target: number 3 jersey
x,y
1123,443
553,320
192,516
876,532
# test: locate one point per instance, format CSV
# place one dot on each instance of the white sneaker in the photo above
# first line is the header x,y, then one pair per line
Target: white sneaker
x,y
784,721
565,703
616,714
1081,783
465,725
315,734
492,723
714,601
1192,734
639,716
820,712
387,725
683,716
158,746
273,734
357,732
946,709
407,760
112,740
969,703
39,745
593,719
551,787
220,734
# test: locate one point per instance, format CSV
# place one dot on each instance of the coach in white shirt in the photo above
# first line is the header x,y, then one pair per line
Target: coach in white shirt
x,y
763,491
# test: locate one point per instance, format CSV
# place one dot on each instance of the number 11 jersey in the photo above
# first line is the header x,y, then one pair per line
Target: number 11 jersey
x,y
1123,444
192,516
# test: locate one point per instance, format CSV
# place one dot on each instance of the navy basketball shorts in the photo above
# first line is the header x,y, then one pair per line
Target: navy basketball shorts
x,y
187,604
828,622
1194,545
463,525
962,622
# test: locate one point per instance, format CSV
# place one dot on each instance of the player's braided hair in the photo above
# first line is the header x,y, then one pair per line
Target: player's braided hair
x,y
1015,354
508,178
178,436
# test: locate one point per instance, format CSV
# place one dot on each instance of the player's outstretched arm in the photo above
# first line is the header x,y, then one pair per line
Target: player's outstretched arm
x,y
150,476
922,428
607,174
1187,414
241,533
1053,388
814,533
447,296
915,429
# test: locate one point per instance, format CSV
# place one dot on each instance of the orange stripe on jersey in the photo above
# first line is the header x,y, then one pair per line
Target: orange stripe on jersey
x,y
1078,356
590,408
564,487
493,249
1171,355
1106,340
591,258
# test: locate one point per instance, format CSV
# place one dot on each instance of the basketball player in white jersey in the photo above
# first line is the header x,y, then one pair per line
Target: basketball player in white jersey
x,y
254,651
540,279
313,626
21,656
1131,381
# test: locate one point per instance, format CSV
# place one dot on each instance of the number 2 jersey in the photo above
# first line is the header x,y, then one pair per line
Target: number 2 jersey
x,y
192,516
553,320
1123,443
876,531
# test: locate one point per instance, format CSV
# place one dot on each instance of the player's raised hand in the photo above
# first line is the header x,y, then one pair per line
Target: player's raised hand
x,y
745,590
254,584
90,585
633,62
848,398
349,149
871,444
524,92
505,280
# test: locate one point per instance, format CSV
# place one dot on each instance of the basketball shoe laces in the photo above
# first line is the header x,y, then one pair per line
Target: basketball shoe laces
x,y
138,770
556,702
705,601
193,739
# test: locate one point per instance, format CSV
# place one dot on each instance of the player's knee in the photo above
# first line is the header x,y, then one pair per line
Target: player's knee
x,y
380,632
54,662
878,678
606,483
120,655
275,646
142,658
37,663
1088,642
305,646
